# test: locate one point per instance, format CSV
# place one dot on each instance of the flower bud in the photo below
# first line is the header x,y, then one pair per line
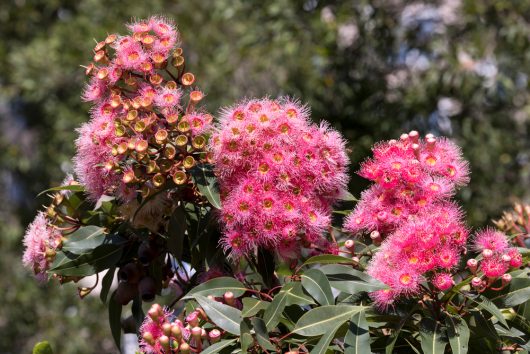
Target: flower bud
x,y
176,332
229,298
506,278
476,282
164,341
376,237
214,335
472,264
487,253
129,273
166,328
193,319
148,338
196,333
184,348
506,258
125,293
414,136
350,245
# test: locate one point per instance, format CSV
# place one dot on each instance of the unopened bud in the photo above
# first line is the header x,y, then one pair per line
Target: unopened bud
x,y
184,348
506,278
487,253
355,260
476,282
414,136
193,319
196,333
472,264
166,328
375,236
147,289
404,137
416,149
164,341
506,258
214,336
148,338
176,332
229,298
350,245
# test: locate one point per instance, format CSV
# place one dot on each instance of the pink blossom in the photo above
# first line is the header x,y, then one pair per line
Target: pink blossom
x,y
490,239
493,267
41,240
443,281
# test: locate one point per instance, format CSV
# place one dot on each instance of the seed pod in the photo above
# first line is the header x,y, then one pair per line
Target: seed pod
x,y
125,293
147,289
180,177
130,273
181,140
188,79
188,162
146,253
198,142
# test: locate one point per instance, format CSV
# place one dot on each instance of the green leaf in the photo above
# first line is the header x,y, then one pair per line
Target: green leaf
x,y
485,304
177,232
351,281
252,306
317,321
42,348
224,316
431,337
206,182
106,283
216,348
72,188
217,287
519,292
389,348
84,239
115,319
458,333
262,336
98,259
275,309
327,259
296,295
323,344
317,285
246,338
347,197
357,339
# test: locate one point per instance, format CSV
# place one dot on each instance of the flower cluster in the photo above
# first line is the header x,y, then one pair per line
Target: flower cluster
x,y
497,258
409,207
140,135
516,222
279,175
410,175
161,332
41,241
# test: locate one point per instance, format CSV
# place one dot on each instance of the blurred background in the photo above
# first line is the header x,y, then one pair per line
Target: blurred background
x,y
374,69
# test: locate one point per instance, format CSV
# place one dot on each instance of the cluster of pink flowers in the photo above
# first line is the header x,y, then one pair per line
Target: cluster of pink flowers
x,y
161,332
41,241
409,207
279,175
497,258
138,113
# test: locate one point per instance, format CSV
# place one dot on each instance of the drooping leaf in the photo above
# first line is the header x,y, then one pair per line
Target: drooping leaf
x,y
246,340
296,295
458,333
106,283
349,280
206,182
519,292
217,287
431,333
485,304
357,339
84,239
271,317
262,336
317,285
389,348
327,259
115,319
177,232
224,316
42,348
72,188
216,348
317,321
323,343
252,306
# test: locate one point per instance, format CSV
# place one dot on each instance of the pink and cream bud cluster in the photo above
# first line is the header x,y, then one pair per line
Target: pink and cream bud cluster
x,y
409,207
497,258
279,175
163,333
41,241
141,134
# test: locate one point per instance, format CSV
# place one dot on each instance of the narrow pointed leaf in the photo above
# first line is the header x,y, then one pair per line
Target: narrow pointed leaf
x,y
224,316
519,292
252,306
327,259
485,304
106,283
246,340
275,309
431,334
317,321
216,348
458,333
217,287
317,285
262,336
323,343
357,340
115,319
296,295
71,188
206,182
349,280
84,239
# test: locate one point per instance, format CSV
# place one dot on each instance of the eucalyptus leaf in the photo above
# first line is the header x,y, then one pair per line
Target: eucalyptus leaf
x,y
252,306
224,316
317,321
317,285
115,319
357,339
206,182
458,333
275,308
519,292
351,281
431,334
485,304
262,336
217,287
246,340
296,295
323,343
216,348
71,188
327,259
106,283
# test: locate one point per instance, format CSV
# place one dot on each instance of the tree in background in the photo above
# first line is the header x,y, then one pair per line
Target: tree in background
x,y
456,68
